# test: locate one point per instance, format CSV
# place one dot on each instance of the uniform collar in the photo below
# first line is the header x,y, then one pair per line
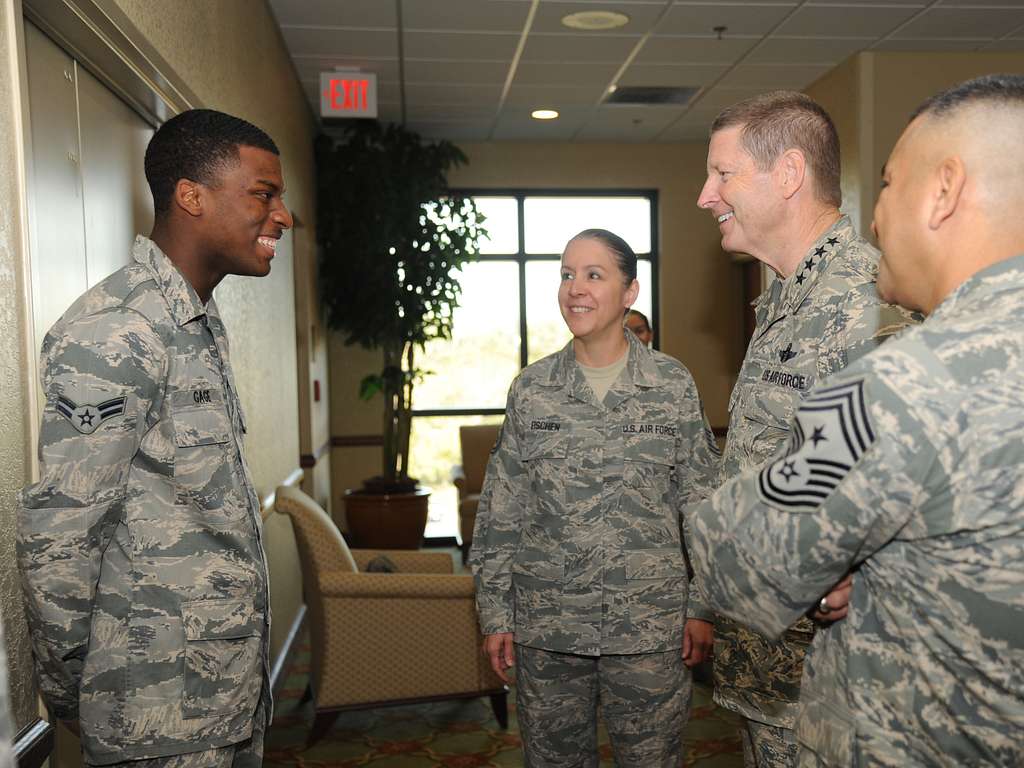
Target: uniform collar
x,y
641,372
181,297
1001,277
796,287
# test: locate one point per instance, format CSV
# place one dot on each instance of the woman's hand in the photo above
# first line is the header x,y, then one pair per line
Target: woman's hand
x,y
498,648
698,639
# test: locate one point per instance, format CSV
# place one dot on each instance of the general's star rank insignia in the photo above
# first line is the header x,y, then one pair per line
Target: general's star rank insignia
x,y
832,431
87,418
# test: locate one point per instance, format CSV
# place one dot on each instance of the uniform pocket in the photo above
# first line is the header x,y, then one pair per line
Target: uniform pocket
x,y
223,664
199,418
655,564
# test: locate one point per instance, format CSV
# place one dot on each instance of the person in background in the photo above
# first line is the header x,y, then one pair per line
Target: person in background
x,y
773,188
637,322
577,555
908,467
140,546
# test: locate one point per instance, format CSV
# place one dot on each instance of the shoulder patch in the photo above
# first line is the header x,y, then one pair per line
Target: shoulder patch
x,y
87,418
832,431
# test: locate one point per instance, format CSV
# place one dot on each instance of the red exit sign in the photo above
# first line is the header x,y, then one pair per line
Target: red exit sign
x,y
348,94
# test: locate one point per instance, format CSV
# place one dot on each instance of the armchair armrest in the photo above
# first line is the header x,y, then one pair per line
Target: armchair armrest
x,y
407,560
344,584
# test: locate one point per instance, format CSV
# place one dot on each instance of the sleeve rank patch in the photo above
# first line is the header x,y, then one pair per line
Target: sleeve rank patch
x,y
87,418
832,431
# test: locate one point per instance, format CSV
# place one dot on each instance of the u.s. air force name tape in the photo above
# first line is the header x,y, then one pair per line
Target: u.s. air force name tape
x,y
832,431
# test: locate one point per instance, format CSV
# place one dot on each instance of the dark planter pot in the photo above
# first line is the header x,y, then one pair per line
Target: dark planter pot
x,y
386,520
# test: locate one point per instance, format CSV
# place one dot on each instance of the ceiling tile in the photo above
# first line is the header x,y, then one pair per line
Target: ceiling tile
x,y
807,50
441,113
1010,44
740,19
696,50
310,67
772,76
720,97
949,23
426,71
913,4
485,46
578,47
672,75
972,3
627,123
452,93
453,131
331,13
923,44
686,132
518,125
845,21
641,15
341,42
553,97
565,73
462,15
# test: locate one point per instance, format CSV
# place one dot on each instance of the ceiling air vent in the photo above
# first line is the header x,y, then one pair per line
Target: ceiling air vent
x,y
651,95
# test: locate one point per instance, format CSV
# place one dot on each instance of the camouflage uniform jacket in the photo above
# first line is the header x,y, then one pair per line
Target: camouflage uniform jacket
x,y
910,465
140,546
809,326
578,544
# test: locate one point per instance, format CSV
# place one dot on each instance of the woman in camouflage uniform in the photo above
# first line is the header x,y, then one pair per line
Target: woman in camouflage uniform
x,y
580,572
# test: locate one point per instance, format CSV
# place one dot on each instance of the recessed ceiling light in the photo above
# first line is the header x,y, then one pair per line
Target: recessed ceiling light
x,y
595,20
544,114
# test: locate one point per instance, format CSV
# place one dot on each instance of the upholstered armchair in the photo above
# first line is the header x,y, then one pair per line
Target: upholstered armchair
x,y
475,442
381,639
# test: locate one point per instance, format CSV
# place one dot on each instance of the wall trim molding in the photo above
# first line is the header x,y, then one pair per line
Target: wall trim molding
x,y
309,460
34,743
287,650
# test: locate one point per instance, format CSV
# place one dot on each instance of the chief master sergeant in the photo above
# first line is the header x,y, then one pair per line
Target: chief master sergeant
x,y
773,186
908,467
140,547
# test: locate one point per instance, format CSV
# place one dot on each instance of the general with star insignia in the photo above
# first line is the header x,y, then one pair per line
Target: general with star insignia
x,y
831,433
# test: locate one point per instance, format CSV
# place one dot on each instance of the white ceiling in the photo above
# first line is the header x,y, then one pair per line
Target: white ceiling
x,y
474,69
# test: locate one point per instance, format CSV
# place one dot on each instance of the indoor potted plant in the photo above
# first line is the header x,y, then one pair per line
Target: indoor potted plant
x,y
391,236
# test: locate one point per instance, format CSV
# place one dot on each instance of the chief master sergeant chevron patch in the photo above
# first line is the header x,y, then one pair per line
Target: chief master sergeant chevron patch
x,y
831,433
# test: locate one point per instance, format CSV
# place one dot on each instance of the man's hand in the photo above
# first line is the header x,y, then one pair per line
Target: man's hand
x,y
498,648
698,639
837,601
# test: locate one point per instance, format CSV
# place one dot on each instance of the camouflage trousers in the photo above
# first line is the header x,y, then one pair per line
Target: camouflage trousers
x,y
244,754
644,701
768,746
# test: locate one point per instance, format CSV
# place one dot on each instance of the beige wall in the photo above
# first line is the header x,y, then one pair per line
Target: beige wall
x,y
870,97
230,54
700,287
15,361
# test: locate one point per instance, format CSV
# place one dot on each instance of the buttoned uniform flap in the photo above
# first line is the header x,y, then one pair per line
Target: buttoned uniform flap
x,y
221,619
539,564
200,417
655,563
651,448
543,444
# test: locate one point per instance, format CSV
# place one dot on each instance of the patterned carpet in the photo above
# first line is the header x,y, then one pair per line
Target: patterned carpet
x,y
455,734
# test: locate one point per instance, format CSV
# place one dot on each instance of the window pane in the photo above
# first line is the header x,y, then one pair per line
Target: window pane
x,y
551,221
502,224
643,299
545,329
474,369
433,453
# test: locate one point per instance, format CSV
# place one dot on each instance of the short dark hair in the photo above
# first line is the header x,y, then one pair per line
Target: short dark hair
x,y
999,89
624,255
641,315
197,145
779,120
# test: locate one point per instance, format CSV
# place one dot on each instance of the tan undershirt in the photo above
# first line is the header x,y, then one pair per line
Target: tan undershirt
x,y
601,379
